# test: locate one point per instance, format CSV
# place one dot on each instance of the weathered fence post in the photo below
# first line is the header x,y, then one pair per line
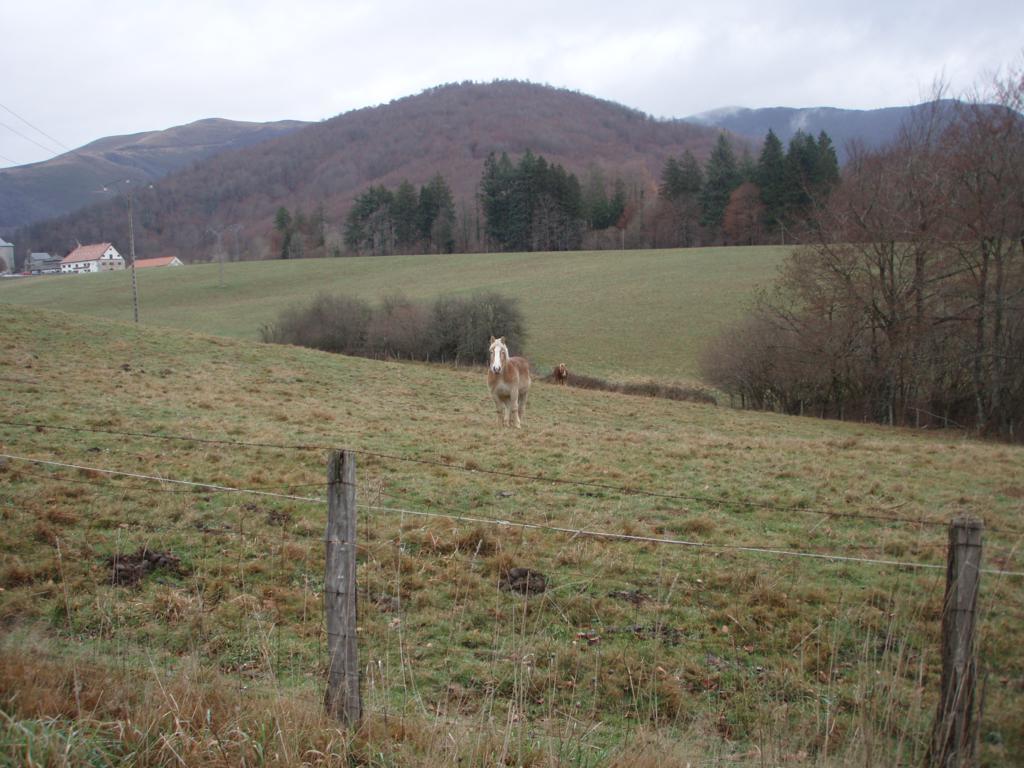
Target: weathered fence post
x,y
953,736
342,699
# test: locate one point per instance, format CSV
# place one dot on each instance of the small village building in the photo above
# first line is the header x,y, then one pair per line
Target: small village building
x,y
6,256
97,257
161,261
42,263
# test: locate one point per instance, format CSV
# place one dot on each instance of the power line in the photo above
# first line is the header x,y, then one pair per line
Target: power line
x,y
37,128
28,138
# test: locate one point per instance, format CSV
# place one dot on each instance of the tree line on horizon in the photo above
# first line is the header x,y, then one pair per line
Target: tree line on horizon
x,y
531,204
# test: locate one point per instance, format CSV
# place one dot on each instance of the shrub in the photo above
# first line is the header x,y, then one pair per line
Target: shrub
x,y
399,328
462,327
454,329
331,323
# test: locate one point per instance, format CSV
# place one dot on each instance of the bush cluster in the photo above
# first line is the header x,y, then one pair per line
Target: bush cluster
x,y
453,329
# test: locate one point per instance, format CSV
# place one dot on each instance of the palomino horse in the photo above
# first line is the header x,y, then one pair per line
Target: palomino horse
x,y
509,381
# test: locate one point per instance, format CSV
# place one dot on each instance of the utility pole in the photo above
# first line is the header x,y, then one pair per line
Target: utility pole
x,y
131,248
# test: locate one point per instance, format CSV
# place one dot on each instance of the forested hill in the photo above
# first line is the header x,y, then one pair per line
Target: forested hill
x,y
449,130
65,183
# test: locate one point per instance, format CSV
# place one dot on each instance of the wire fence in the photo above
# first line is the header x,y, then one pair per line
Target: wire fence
x,y
471,612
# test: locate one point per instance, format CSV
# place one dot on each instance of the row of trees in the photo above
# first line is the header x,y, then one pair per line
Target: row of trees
x,y
909,306
404,220
531,205
741,201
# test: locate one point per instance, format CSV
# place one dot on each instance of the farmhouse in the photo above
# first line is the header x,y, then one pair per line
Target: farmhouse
x,y
161,261
98,257
6,256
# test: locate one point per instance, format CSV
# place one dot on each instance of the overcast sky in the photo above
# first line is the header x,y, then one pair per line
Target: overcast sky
x,y
79,70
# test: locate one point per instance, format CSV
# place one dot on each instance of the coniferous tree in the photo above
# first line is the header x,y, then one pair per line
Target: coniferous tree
x,y
496,198
828,164
283,224
531,206
404,214
680,189
771,178
437,215
722,176
671,180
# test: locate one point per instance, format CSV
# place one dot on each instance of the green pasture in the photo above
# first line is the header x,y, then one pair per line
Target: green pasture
x,y
620,314
638,654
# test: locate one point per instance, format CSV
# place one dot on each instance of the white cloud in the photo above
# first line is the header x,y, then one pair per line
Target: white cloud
x,y
83,69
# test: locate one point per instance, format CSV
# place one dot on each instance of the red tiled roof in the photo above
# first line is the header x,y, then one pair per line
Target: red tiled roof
x,y
160,261
86,253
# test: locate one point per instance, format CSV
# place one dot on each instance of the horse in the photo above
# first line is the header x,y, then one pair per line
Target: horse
x,y
560,374
509,381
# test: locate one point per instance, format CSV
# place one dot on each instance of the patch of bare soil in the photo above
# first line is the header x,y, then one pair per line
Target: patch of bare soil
x,y
127,570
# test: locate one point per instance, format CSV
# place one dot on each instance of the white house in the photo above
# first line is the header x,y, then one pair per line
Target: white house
x,y
98,257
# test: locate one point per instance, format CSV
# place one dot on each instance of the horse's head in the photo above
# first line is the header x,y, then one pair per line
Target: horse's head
x,y
498,354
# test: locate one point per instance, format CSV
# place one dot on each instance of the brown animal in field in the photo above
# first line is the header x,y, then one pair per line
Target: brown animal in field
x,y
509,381
560,375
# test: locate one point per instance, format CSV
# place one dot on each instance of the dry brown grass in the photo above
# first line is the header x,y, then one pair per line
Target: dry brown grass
x,y
749,658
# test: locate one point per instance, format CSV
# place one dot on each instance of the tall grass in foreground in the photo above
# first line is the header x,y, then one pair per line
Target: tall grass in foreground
x,y
64,704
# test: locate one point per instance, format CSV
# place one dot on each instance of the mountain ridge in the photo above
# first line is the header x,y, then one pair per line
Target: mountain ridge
x,y
71,180
448,129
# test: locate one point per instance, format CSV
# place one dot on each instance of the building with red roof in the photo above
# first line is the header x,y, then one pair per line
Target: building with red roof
x,y
97,257
160,261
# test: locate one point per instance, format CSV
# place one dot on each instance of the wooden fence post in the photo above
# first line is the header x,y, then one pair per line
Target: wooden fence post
x,y
342,699
953,736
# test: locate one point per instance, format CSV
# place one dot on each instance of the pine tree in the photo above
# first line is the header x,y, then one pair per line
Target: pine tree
x,y
691,178
771,179
437,215
404,212
496,199
828,164
722,177
671,180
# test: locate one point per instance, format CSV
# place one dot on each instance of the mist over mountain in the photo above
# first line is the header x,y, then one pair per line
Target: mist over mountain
x,y
872,127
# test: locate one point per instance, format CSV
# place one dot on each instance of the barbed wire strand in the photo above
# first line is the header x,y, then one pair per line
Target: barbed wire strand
x,y
517,524
627,490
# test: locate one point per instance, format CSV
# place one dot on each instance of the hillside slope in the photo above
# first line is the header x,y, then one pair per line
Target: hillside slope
x,y
448,130
75,179
122,440
625,314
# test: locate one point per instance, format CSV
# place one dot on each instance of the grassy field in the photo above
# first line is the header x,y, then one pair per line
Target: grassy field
x,y
638,653
625,314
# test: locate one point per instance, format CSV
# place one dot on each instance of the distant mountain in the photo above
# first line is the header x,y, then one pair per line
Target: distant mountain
x,y
449,130
873,127
67,182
